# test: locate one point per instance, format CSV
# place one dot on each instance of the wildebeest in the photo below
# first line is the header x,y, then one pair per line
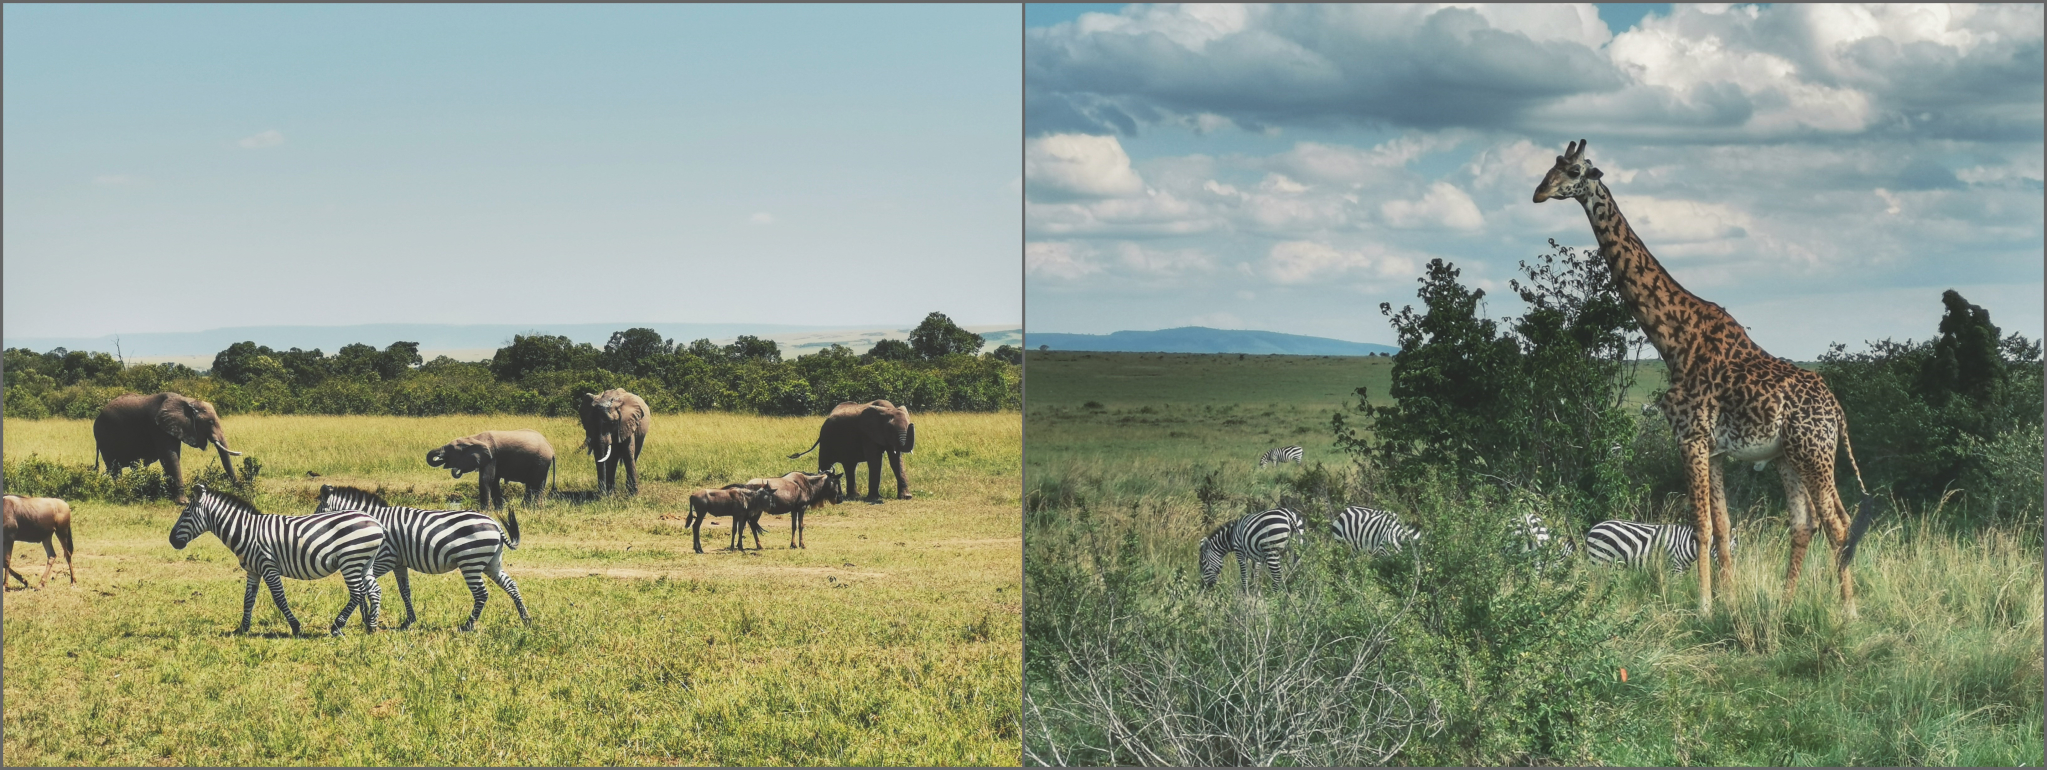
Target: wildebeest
x,y
742,504
796,492
37,520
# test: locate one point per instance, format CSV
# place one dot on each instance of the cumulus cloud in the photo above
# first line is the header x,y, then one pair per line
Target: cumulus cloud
x,y
1057,259
271,138
1070,166
1442,206
1300,262
117,180
761,218
1698,72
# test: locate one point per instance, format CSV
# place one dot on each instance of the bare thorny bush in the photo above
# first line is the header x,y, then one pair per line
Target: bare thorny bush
x,y
1264,681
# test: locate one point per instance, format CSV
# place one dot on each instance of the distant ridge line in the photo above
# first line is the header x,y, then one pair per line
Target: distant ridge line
x,y
1202,339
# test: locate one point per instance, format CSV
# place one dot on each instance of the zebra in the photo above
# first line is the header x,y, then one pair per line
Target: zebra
x,y
1277,455
1629,543
1535,538
300,547
434,542
1372,530
1258,536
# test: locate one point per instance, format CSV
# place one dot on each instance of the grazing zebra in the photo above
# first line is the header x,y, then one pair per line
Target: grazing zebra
x,y
1256,537
1629,543
1535,538
1277,455
435,542
1372,530
299,547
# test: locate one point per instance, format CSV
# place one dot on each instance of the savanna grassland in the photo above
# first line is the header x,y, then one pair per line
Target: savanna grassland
x,y
891,639
1458,652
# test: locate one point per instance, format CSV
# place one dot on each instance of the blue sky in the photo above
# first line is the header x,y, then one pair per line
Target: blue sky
x,y
1823,172
173,168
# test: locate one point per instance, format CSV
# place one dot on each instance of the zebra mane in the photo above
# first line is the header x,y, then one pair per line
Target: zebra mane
x,y
233,502
358,494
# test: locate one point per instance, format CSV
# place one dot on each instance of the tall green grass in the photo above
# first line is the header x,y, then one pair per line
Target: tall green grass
x,y
890,640
1944,666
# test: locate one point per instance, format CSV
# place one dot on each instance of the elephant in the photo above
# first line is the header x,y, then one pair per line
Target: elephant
x,y
855,433
147,429
613,420
496,456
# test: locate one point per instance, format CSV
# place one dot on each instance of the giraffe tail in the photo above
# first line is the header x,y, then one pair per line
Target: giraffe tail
x,y
1864,513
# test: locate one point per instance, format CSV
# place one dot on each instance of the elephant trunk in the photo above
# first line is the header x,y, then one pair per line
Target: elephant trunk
x,y
909,439
225,463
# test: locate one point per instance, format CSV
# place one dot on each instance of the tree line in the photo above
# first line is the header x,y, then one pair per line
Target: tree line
x,y
938,369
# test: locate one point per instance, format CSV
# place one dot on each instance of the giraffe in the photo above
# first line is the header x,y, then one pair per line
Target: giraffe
x,y
1728,398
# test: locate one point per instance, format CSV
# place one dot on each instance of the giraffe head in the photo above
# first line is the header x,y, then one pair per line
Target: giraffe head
x,y
1572,177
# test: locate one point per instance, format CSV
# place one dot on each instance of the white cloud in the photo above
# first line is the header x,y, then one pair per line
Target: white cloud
x,y
1161,262
1217,320
1064,166
1444,205
1663,220
1057,259
118,180
1301,262
271,138
761,218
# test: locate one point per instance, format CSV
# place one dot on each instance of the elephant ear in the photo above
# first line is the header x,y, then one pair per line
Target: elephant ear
x,y
176,417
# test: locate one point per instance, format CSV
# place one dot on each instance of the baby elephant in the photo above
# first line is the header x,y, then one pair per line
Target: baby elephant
x,y
36,520
743,504
497,456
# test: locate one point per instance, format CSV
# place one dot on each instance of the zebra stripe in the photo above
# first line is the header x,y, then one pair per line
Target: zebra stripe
x,y
1372,530
299,547
1536,538
1255,537
1630,543
436,542
1277,455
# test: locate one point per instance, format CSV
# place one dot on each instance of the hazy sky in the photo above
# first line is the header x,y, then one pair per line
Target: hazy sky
x,y
172,168
1824,172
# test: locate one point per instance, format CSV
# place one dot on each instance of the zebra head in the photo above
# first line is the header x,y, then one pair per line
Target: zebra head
x,y
192,521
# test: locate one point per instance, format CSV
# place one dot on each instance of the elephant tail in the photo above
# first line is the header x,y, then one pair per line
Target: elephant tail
x,y
512,527
550,477
813,445
95,459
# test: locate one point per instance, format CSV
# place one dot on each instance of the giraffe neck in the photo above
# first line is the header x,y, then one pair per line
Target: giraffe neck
x,y
1670,316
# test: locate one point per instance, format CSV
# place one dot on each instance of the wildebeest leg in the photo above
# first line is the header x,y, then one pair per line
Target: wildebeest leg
x,y
248,603
696,530
796,526
496,571
276,582
64,537
49,563
473,576
10,564
755,523
895,463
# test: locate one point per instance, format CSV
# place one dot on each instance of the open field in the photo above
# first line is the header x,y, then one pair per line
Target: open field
x,y
1943,667
891,639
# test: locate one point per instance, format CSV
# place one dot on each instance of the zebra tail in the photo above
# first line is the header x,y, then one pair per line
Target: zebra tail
x,y
512,527
1864,514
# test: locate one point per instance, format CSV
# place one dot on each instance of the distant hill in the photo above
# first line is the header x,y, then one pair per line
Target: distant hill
x,y
1201,339
473,342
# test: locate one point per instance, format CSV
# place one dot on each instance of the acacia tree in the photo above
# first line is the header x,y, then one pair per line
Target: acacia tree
x,y
938,337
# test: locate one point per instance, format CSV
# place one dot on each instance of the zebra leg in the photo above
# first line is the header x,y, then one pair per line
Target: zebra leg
x,y
1272,563
496,570
276,583
1243,573
474,577
405,592
248,603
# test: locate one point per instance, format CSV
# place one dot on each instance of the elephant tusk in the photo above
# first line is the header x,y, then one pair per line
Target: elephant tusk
x,y
230,451
457,472
607,453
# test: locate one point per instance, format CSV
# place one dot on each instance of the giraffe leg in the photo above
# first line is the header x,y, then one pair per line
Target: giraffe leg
x,y
1800,505
1825,501
1699,477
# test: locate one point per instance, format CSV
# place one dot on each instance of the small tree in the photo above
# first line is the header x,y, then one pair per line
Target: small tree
x,y
234,364
751,348
1008,353
938,337
891,350
634,351
529,354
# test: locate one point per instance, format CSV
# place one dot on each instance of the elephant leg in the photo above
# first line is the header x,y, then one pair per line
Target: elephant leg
x,y
174,474
632,471
895,463
852,482
874,477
